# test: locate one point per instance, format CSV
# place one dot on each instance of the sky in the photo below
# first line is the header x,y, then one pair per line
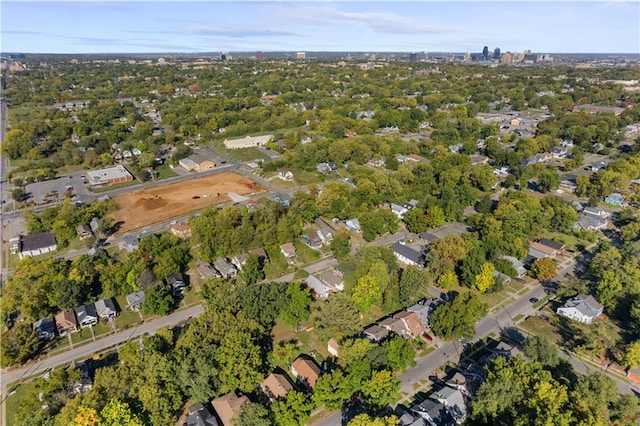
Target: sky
x,y
357,26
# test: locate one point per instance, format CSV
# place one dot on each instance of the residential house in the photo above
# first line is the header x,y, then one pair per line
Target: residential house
x,y
398,210
181,230
560,152
500,278
276,385
198,415
306,371
313,240
229,406
332,279
353,225
507,350
83,231
581,308
106,308
176,282
135,300
412,323
205,270
590,222
288,250
285,175
557,247
614,199
429,238
130,243
406,418
66,323
85,384
323,167
86,315
517,265
333,347
45,328
477,159
326,235
423,309
320,290
435,413
225,268
396,325
261,253
95,225
375,333
37,244
454,400
407,255
545,248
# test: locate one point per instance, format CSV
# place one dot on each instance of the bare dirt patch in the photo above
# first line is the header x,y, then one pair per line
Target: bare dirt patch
x,y
149,206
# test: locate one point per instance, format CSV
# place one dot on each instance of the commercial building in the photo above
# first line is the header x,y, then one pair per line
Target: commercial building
x,y
37,244
110,176
248,142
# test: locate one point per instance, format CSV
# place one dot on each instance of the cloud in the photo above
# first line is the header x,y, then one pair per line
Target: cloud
x,y
237,32
379,22
21,32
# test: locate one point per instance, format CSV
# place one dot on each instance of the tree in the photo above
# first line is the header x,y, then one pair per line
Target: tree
x,y
340,246
413,282
296,310
445,253
365,419
549,180
484,280
254,414
544,269
337,316
118,413
18,195
332,390
609,288
292,411
542,350
158,300
400,353
252,270
382,389
457,318
370,288
631,357
447,280
18,345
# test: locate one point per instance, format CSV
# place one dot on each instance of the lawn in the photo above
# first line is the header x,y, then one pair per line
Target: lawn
x,y
541,327
243,155
14,401
277,265
164,172
81,336
190,297
101,328
126,318
493,299
305,254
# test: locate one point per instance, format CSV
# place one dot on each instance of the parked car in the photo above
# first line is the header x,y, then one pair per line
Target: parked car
x,y
427,338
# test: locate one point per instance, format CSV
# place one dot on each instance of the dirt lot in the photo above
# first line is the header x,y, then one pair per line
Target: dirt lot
x,y
153,205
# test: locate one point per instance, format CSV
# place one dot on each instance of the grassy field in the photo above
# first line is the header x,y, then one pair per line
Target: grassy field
x,y
15,400
541,327
277,265
305,254
164,172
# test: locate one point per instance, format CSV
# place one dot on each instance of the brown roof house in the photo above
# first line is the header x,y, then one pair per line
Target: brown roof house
x,y
306,371
276,385
333,347
66,322
181,230
288,250
228,406
412,324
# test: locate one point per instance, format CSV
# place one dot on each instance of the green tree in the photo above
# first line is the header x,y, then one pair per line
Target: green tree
x,y
445,253
447,280
542,350
292,411
158,300
544,269
18,345
254,414
609,289
549,180
457,318
413,282
252,270
297,309
400,353
631,358
118,413
340,246
382,389
337,316
18,195
332,390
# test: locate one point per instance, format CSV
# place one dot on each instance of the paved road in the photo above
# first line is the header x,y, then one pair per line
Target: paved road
x,y
87,350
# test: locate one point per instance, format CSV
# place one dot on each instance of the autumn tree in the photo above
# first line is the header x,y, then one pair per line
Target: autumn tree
x,y
457,317
543,269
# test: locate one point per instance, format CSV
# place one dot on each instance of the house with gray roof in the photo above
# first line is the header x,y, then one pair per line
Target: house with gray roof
x,y
106,308
135,300
375,333
320,289
37,244
423,308
130,243
407,255
590,222
45,328
225,268
86,315
517,265
581,308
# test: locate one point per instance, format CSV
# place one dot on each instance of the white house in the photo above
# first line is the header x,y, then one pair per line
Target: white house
x,y
407,255
37,244
285,175
581,308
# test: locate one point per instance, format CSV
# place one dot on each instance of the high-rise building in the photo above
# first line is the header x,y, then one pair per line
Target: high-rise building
x,y
485,53
496,53
413,57
301,55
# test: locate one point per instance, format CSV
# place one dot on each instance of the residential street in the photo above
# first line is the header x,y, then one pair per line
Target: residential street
x,y
89,349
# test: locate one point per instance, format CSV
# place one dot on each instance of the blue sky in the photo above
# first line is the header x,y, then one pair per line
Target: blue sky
x,y
213,26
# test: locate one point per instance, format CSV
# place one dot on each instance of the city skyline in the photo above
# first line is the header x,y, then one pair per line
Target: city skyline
x,y
191,27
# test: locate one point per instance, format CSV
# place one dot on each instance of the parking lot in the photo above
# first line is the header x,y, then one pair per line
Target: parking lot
x,y
51,191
